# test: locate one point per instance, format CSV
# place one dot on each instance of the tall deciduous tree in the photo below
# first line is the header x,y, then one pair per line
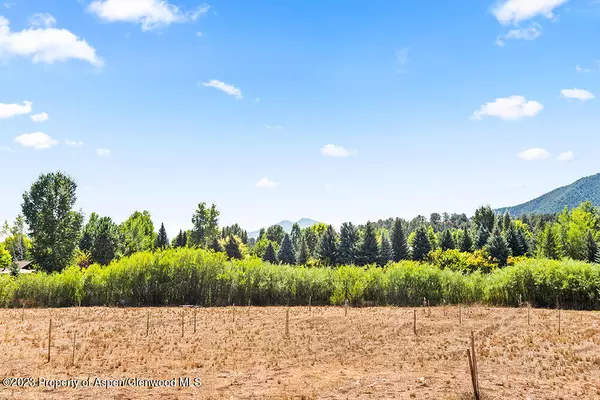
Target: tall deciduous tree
x,y
369,251
206,225
162,241
105,241
348,246
327,248
399,241
285,255
54,227
16,242
137,233
295,235
420,244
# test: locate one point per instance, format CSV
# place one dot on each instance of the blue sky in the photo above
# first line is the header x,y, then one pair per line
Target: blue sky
x,y
280,110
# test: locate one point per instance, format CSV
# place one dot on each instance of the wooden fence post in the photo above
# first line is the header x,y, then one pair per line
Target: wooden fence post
x,y
49,337
287,322
415,321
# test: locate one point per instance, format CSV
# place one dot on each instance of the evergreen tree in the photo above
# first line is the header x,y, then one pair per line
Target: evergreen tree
x,y
385,251
465,243
184,239
295,236
369,251
105,242
420,245
484,216
481,237
548,246
270,255
591,247
303,252
431,237
399,243
514,243
177,241
506,222
497,247
162,241
523,245
446,240
327,248
215,245
232,248
286,251
348,247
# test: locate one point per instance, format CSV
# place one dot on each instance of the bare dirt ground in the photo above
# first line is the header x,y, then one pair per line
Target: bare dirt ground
x,y
243,353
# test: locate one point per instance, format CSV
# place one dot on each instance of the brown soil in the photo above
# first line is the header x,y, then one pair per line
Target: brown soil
x,y
241,352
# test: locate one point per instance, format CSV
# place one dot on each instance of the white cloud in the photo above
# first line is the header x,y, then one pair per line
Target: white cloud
x,y
224,87
150,14
73,143
579,68
36,140
534,154
42,19
45,44
41,117
566,156
531,33
576,94
273,127
509,108
332,150
515,11
103,152
265,183
11,110
199,34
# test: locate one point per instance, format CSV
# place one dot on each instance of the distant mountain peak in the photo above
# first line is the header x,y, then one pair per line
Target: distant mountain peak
x,y
287,226
584,189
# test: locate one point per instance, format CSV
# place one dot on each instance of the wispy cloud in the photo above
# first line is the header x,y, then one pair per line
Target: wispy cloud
x,y
11,110
36,140
508,108
73,143
273,127
103,152
332,150
531,33
150,14
515,11
265,183
534,154
41,117
6,149
577,94
566,156
402,59
224,87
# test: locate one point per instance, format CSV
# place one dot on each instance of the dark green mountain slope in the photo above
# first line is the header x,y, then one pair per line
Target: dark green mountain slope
x,y
585,189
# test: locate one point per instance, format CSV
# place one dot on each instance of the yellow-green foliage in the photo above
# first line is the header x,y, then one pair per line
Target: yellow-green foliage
x,y
205,278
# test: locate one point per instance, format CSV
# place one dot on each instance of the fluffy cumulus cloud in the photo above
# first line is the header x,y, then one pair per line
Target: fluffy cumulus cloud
x,y
265,183
576,94
515,11
534,154
73,143
11,110
150,14
44,43
41,117
36,140
103,152
332,150
224,87
566,156
509,108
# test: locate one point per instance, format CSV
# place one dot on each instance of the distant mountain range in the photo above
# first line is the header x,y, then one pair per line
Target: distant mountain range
x,y
287,226
585,189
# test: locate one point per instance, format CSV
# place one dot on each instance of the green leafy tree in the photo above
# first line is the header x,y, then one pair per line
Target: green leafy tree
x,y
270,255
431,237
6,259
399,242
420,244
205,225
465,243
105,242
497,247
548,246
484,216
369,251
327,249
285,255
54,227
348,246
177,240
295,235
592,247
16,241
137,233
232,248
162,241
275,233
446,240
215,245
385,251
311,239
302,253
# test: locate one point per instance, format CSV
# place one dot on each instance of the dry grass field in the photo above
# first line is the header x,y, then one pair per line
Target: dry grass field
x,y
243,352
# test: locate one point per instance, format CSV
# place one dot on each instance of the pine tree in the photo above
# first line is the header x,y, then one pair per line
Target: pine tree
x,y
497,247
295,236
506,222
184,239
303,253
548,246
399,243
446,240
431,237
285,255
385,251
270,255
348,247
512,238
481,237
232,248
369,252
162,241
215,245
591,247
465,242
327,248
420,245
523,244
